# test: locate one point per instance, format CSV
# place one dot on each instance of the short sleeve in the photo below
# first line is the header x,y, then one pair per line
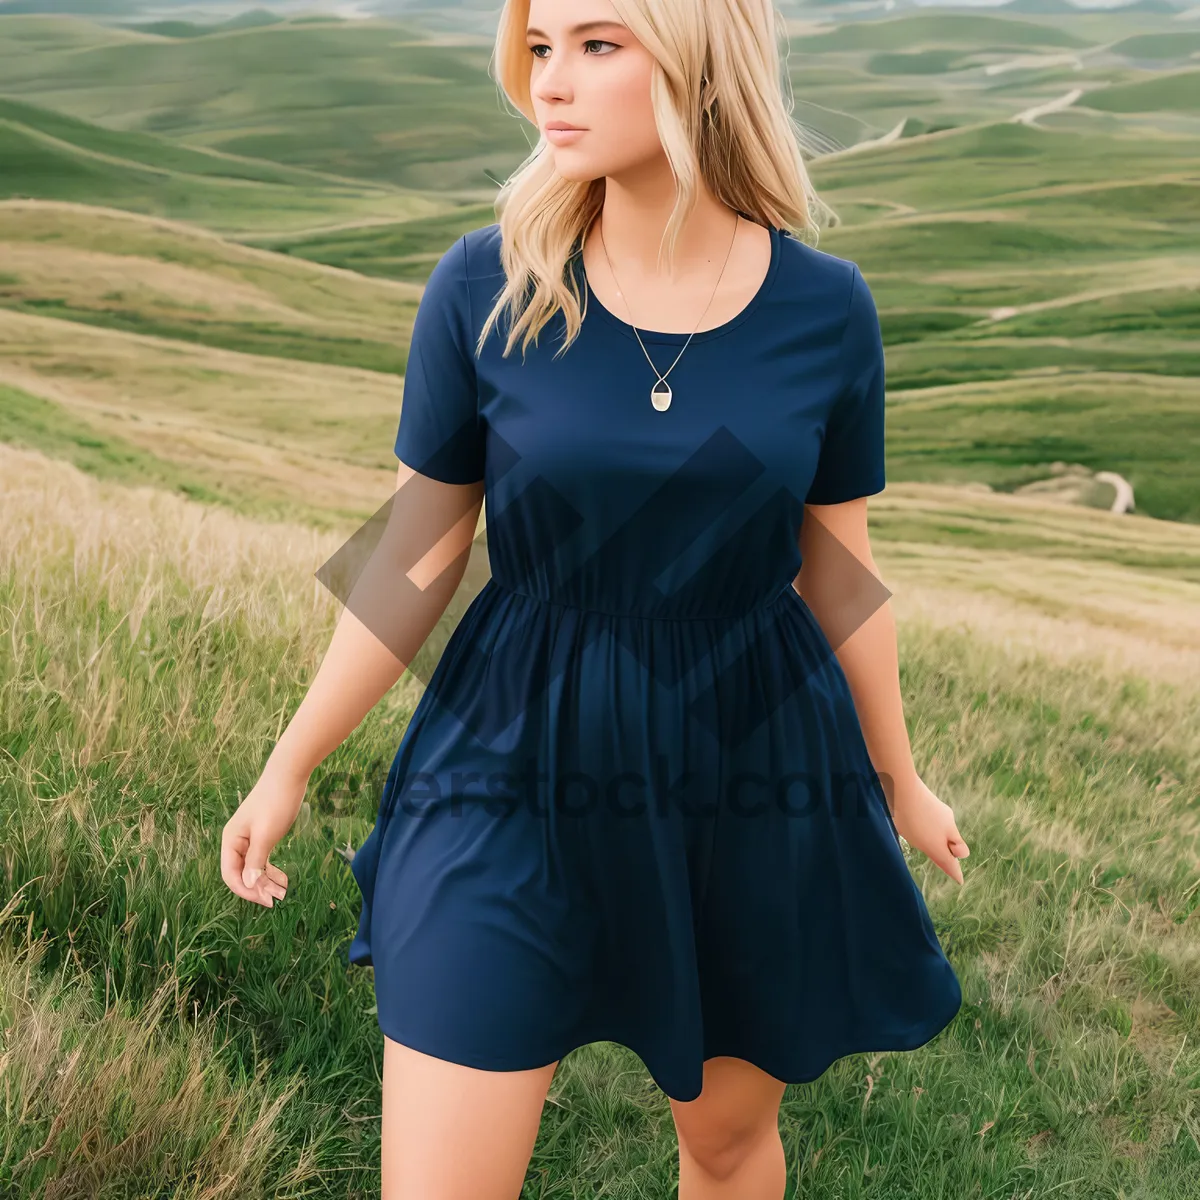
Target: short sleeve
x,y
440,433
851,461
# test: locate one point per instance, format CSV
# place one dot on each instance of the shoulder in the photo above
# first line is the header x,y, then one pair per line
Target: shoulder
x,y
481,251
827,279
472,256
825,296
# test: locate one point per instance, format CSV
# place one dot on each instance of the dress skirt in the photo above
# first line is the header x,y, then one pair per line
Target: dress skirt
x,y
661,831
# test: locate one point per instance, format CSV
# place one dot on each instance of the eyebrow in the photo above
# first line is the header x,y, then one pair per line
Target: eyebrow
x,y
583,28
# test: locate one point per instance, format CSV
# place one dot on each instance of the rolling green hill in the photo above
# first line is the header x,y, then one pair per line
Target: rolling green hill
x,y
989,166
394,250
188,29
1028,264
336,96
921,30
197,412
136,150
1180,43
47,155
1177,92
123,272
1016,258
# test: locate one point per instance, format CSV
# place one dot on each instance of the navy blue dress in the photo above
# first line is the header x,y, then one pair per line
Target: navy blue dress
x,y
634,802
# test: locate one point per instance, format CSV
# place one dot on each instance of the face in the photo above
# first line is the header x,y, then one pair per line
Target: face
x,y
588,71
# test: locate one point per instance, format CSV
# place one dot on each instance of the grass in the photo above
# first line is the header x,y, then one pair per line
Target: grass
x,y
1178,44
170,280
999,162
53,157
1006,434
1037,309
262,435
31,422
914,30
393,250
331,96
151,648
1179,91
212,247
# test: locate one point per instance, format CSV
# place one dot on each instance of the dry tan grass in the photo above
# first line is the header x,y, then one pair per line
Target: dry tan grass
x,y
54,511
1065,598
72,1065
270,427
112,533
1176,389
56,231
97,279
1068,608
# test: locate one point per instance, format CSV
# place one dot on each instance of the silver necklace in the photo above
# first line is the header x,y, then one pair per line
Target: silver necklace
x,y
660,393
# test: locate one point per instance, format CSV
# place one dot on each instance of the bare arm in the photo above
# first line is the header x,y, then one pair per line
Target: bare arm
x,y
396,601
834,586
840,582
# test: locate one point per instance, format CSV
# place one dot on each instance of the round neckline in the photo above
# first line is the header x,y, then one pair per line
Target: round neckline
x,y
667,338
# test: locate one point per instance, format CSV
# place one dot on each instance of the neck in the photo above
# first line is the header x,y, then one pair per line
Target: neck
x,y
634,218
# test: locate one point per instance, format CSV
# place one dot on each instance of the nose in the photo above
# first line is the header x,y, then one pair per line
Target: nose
x,y
551,82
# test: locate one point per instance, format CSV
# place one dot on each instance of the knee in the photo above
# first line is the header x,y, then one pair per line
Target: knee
x,y
721,1151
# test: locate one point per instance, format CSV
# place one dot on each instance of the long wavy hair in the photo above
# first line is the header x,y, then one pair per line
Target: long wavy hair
x,y
723,107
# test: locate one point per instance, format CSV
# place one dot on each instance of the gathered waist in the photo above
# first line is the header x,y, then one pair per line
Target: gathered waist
x,y
779,597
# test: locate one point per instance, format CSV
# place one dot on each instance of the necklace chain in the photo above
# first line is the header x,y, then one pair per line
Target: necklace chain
x,y
661,400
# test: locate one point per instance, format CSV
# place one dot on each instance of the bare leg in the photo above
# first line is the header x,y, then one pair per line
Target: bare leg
x,y
457,1133
729,1144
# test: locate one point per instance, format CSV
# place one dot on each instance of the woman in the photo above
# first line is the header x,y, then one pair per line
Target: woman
x,y
635,802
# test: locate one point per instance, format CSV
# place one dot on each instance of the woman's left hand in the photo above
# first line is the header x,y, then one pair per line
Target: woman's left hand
x,y
927,823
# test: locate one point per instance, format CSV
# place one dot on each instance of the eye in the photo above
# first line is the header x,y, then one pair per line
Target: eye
x,y
590,42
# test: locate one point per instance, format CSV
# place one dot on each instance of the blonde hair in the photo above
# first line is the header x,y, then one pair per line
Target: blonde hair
x,y
722,115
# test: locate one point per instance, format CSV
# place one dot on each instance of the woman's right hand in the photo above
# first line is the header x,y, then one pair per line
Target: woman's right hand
x,y
249,836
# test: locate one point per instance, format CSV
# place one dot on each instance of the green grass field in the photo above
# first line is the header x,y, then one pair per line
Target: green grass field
x,y
329,96
106,268
212,244
49,156
164,640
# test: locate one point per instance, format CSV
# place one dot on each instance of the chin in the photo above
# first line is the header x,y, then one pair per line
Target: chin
x,y
576,170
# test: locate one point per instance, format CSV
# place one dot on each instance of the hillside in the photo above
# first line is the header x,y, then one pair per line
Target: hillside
x,y
47,155
213,241
141,275
922,30
334,96
1035,274
1176,92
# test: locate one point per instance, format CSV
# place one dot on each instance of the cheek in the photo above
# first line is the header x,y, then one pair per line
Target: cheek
x,y
628,118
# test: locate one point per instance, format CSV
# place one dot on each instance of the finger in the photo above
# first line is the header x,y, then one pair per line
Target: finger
x,y
949,864
263,891
958,845
255,864
233,857
276,874
271,888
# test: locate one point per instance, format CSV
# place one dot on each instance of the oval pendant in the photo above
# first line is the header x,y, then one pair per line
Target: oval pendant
x,y
660,395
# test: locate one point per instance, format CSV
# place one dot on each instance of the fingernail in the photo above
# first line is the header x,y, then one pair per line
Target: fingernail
x,y
250,875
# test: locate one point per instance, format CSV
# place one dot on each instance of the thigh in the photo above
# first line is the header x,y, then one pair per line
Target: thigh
x,y
452,1132
738,1105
